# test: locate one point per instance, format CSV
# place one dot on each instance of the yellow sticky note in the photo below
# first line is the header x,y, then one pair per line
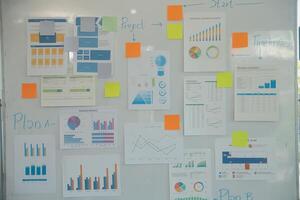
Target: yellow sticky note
x,y
175,31
240,138
112,89
224,80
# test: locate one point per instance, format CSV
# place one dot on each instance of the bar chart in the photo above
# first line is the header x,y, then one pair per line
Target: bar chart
x,y
35,163
91,176
92,128
268,85
251,163
32,150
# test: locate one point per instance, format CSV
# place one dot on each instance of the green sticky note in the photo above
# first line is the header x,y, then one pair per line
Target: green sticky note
x,y
109,24
240,138
175,31
112,89
224,80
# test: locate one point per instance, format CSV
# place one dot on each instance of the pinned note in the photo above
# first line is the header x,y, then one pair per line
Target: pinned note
x,y
174,12
172,122
109,24
87,24
175,31
29,90
47,28
224,80
239,40
132,49
112,89
240,138
104,70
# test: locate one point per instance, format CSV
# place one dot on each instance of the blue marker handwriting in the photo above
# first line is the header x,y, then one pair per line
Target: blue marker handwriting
x,y
131,26
226,194
23,121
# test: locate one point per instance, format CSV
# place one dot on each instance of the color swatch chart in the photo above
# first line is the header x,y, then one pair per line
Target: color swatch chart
x,y
204,42
91,176
46,39
250,163
87,128
191,178
36,168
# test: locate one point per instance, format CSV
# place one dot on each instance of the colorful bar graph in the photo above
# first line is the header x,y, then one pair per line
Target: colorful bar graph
x,y
86,183
104,125
37,150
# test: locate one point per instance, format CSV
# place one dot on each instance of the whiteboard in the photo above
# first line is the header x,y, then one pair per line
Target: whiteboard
x,y
151,182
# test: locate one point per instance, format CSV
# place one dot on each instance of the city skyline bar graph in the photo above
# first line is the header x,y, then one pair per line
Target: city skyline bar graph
x,y
95,183
208,34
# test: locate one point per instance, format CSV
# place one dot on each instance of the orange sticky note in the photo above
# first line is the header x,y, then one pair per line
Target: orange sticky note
x,y
132,49
29,90
172,122
239,40
174,12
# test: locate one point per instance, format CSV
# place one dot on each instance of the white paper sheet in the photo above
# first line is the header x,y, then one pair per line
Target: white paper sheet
x,y
265,47
204,41
91,175
256,94
35,169
45,46
88,128
147,143
95,47
68,91
204,106
250,163
148,81
191,179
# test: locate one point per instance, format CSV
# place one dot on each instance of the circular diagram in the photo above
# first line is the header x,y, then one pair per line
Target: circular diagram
x,y
73,122
160,60
198,186
195,52
180,187
212,52
162,84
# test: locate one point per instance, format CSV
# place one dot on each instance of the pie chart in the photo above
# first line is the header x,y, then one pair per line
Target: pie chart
x,y
160,60
180,187
73,122
195,52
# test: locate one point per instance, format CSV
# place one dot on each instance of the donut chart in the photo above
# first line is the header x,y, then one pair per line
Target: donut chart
x,y
212,52
198,186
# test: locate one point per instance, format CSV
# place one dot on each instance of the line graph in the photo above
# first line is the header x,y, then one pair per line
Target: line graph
x,y
150,143
143,142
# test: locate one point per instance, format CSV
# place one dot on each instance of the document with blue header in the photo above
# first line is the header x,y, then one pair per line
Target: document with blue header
x,y
95,47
